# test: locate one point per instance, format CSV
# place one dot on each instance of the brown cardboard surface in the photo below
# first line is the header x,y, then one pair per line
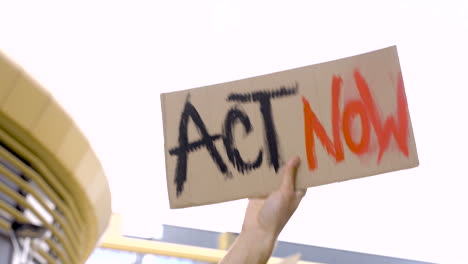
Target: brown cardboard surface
x,y
363,130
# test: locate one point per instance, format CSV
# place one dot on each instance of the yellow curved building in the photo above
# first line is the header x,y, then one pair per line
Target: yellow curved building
x,y
55,202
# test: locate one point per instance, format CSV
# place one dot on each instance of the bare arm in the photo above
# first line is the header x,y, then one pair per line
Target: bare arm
x,y
264,220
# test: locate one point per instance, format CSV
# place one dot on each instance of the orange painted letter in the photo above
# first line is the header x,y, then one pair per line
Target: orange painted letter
x,y
352,109
312,124
398,128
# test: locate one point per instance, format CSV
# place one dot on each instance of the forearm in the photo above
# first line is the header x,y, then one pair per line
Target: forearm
x,y
250,248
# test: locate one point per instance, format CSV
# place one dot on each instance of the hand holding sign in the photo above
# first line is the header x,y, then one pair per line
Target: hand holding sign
x,y
264,220
227,141
270,215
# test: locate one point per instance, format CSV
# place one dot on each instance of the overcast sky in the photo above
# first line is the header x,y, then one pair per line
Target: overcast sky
x,y
107,63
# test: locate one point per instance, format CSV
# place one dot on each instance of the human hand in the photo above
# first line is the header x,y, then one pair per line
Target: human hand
x,y
265,218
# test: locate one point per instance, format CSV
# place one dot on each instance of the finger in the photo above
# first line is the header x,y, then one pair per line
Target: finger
x,y
289,177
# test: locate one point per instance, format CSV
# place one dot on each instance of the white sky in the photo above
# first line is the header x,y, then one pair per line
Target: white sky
x,y
107,63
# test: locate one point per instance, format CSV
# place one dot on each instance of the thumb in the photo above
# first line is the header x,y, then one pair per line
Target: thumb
x,y
289,177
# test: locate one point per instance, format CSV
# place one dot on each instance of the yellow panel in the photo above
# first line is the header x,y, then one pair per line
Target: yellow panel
x,y
9,73
76,156
47,257
4,225
86,171
90,175
13,212
224,241
98,191
52,127
58,251
73,148
25,102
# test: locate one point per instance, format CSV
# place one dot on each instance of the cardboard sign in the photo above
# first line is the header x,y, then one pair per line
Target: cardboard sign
x,y
346,119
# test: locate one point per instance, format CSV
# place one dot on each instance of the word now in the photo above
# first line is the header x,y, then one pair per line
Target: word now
x,y
366,109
